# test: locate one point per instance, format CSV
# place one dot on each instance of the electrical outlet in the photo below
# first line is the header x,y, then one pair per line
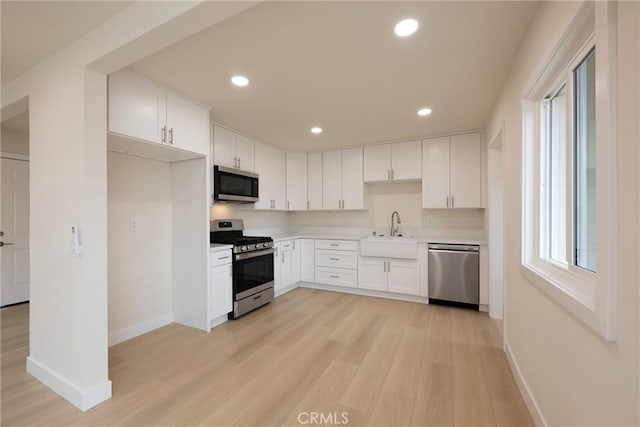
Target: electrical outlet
x,y
133,224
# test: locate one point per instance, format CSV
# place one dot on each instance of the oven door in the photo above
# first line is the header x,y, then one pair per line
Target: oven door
x,y
252,273
233,185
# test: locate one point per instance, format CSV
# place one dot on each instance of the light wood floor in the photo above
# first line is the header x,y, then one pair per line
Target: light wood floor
x,y
381,362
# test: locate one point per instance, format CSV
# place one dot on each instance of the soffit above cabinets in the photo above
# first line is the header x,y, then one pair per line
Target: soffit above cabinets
x,y
338,65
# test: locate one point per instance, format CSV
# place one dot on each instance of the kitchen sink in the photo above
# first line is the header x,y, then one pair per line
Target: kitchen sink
x,y
389,247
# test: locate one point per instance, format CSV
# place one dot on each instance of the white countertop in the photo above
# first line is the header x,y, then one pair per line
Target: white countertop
x,y
439,239
282,237
218,247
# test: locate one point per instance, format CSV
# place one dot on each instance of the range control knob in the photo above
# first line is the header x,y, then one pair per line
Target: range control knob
x,y
243,248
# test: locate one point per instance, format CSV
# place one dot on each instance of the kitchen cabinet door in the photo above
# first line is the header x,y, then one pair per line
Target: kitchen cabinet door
x,y
465,172
352,181
403,277
435,173
296,181
286,269
187,124
137,107
332,180
224,147
221,291
307,260
244,148
270,166
377,163
314,181
371,274
295,262
406,160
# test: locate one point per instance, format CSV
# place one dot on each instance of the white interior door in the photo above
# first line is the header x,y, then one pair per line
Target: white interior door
x,y
14,252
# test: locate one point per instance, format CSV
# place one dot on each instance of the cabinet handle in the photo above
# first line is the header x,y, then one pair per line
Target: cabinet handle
x,y
334,259
452,204
388,267
239,160
447,201
171,136
308,204
391,173
294,245
283,256
334,244
224,257
164,134
335,277
288,204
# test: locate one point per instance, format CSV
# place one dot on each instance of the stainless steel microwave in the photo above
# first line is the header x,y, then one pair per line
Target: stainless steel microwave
x,y
234,185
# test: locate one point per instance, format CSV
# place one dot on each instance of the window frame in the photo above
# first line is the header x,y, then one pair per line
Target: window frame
x,y
589,296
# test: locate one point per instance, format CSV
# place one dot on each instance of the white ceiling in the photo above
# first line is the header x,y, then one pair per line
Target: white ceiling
x,y
339,65
34,30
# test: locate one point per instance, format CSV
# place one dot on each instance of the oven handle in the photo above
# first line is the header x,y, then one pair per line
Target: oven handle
x,y
249,255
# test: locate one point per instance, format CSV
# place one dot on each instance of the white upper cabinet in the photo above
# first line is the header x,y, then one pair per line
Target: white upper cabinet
x,y
435,178
270,166
406,160
400,161
466,181
314,181
143,110
342,184
297,181
232,149
352,184
187,124
452,172
377,163
332,180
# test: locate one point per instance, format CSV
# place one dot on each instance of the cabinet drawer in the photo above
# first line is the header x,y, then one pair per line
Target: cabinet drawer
x,y
337,277
220,257
288,244
340,245
340,259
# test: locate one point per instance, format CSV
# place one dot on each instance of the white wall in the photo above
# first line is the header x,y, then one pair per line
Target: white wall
x,y
575,376
13,141
140,285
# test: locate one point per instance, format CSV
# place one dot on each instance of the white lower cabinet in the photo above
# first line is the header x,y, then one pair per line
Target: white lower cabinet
x,y
307,260
389,275
286,271
221,284
336,263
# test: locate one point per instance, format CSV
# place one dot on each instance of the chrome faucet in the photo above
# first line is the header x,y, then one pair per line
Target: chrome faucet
x,y
394,230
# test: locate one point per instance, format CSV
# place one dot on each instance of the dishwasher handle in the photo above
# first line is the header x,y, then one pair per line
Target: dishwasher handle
x,y
439,247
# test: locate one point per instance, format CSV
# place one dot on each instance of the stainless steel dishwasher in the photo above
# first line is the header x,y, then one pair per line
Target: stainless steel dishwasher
x,y
454,274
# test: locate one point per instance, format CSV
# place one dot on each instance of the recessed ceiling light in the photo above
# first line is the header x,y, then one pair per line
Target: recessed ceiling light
x,y
240,81
424,111
406,27
316,130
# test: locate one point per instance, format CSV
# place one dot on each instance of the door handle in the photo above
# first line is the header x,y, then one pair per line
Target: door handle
x,y
5,244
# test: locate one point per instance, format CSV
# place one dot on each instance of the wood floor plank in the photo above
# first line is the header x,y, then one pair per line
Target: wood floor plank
x,y
378,361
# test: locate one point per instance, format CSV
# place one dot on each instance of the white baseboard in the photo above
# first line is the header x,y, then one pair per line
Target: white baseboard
x,y
219,321
283,291
83,399
140,328
365,292
525,391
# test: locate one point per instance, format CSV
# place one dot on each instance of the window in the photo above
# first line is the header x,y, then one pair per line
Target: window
x,y
569,180
584,179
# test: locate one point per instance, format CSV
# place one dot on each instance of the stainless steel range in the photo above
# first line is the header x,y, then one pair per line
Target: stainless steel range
x,y
252,265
